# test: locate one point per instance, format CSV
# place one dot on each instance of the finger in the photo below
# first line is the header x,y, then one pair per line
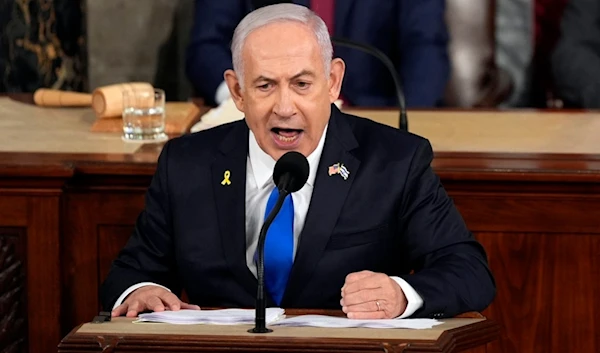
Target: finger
x,y
119,310
357,315
155,304
362,307
376,280
171,301
189,306
357,276
134,308
363,296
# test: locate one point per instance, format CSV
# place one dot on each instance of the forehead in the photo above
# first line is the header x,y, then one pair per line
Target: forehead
x,y
280,45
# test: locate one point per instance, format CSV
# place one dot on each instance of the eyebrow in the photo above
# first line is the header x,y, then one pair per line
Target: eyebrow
x,y
296,76
303,73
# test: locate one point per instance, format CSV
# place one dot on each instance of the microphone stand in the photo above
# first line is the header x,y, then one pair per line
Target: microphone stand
x,y
388,64
260,320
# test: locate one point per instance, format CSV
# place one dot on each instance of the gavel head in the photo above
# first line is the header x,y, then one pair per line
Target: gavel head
x,y
107,101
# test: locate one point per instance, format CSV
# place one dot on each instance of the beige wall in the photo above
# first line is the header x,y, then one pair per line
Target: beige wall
x,y
124,38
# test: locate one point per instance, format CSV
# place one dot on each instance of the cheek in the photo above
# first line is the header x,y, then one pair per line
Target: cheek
x,y
259,105
257,116
316,117
315,101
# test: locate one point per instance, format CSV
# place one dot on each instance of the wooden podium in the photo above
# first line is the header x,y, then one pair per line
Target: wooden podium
x,y
122,335
526,182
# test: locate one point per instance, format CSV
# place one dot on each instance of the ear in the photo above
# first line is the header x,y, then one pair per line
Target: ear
x,y
336,76
235,89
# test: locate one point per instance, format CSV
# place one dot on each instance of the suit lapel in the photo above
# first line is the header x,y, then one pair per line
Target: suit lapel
x,y
230,202
328,197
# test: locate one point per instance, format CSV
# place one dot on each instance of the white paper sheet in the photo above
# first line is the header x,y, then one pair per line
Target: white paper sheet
x,y
342,322
213,317
276,317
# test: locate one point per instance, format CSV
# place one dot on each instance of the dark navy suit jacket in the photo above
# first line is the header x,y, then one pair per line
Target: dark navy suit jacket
x,y
411,32
391,215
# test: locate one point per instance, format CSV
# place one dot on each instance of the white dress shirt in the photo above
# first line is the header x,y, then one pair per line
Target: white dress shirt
x,y
259,185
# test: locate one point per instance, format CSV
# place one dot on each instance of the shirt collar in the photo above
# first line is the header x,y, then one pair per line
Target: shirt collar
x,y
263,164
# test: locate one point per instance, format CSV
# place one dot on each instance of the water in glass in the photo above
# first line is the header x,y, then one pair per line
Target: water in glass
x,y
144,123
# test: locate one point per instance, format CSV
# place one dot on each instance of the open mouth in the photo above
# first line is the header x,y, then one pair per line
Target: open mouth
x,y
286,137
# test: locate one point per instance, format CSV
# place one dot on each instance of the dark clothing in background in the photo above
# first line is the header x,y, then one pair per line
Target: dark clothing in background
x,y
576,59
411,32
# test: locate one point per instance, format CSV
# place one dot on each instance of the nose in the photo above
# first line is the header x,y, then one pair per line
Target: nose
x,y
284,106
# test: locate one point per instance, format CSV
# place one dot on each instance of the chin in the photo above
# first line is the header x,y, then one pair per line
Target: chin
x,y
278,152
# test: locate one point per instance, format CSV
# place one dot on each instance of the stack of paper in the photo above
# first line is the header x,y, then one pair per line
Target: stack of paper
x,y
339,322
214,317
276,317
225,113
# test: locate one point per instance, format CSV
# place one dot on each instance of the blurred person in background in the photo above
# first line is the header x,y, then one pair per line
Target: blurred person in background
x,y
576,59
514,47
411,32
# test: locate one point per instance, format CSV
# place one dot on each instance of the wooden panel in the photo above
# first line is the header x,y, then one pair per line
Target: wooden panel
x,y
511,212
90,245
111,239
13,211
13,291
80,265
43,273
547,291
34,309
482,349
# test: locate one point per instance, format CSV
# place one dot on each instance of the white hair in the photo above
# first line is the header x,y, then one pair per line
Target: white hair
x,y
280,13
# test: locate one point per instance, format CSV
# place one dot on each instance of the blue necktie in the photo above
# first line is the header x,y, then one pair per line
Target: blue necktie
x,y
279,247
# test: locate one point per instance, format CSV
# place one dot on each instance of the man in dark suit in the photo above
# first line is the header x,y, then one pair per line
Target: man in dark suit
x,y
371,212
411,32
576,60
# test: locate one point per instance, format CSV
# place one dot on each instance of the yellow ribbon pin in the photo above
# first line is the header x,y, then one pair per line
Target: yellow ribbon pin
x,y
226,180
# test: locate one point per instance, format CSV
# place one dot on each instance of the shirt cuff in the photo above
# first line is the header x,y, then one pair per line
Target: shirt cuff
x,y
414,300
222,93
132,288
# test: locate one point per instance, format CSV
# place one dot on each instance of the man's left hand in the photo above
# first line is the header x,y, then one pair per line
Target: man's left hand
x,y
371,295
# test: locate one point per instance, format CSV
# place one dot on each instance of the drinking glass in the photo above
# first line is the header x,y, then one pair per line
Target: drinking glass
x,y
144,115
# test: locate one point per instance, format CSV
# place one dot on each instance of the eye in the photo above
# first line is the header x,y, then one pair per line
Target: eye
x,y
303,84
264,87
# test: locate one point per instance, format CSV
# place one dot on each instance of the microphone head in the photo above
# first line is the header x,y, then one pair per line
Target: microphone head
x,y
291,172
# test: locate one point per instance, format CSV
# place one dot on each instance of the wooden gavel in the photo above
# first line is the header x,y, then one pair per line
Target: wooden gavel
x,y
106,101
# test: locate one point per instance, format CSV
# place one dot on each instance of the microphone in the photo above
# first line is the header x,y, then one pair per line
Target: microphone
x,y
371,50
290,175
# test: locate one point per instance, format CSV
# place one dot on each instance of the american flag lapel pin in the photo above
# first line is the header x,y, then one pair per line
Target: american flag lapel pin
x,y
339,168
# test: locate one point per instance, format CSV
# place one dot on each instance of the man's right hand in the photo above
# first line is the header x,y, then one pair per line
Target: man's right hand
x,y
152,298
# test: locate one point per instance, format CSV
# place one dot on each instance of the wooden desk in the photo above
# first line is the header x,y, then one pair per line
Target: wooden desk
x,y
527,184
453,335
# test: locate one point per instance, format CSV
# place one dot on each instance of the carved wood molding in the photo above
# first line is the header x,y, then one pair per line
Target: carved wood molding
x,y
13,330
454,340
